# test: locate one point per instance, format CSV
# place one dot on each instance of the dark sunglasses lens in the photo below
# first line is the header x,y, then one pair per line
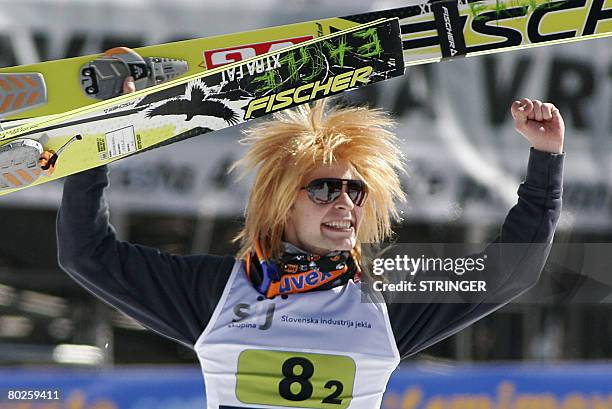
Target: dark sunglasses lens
x,y
356,191
324,190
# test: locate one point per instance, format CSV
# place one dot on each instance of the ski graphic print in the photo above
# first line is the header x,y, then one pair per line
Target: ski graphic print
x,y
183,108
437,30
431,31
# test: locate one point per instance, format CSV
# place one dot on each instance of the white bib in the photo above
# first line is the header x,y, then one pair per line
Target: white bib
x,y
322,349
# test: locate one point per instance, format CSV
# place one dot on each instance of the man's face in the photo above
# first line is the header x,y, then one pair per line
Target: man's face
x,y
310,225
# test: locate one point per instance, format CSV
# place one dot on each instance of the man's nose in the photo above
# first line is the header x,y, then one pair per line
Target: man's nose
x,y
344,201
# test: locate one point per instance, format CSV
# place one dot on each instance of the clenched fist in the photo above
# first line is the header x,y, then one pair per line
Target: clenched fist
x,y
540,123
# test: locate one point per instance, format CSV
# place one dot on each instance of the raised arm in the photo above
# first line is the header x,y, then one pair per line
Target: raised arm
x,y
169,294
511,270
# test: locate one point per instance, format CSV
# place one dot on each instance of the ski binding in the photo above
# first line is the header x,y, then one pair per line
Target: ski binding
x,y
103,78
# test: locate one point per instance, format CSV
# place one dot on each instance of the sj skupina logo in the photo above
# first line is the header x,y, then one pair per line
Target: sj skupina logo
x,y
258,316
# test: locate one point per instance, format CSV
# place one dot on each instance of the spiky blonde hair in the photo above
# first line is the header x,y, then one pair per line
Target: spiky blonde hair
x,y
287,148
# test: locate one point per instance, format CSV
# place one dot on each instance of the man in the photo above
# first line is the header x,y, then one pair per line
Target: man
x,y
282,324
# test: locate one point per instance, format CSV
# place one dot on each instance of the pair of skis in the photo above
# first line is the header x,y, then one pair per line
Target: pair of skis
x,y
328,56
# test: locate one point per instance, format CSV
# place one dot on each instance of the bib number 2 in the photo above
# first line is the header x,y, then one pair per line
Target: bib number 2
x,y
295,379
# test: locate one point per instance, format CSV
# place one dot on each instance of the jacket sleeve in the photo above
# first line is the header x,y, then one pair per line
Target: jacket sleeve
x,y
512,271
172,295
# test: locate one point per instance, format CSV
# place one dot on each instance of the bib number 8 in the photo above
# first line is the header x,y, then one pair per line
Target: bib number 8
x,y
295,379
284,387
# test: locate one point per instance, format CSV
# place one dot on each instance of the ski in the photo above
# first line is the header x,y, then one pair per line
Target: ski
x,y
431,31
185,107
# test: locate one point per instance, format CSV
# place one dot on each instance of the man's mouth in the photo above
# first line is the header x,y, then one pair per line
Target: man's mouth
x,y
339,225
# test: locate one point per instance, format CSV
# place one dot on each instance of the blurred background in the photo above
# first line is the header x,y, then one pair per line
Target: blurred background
x,y
465,163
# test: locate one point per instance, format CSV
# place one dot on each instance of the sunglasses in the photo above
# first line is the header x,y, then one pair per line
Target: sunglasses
x,y
327,190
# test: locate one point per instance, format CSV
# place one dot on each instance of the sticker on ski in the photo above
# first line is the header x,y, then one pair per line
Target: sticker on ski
x,y
121,142
222,56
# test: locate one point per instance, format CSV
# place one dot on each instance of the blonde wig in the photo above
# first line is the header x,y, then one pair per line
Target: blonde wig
x,y
287,148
